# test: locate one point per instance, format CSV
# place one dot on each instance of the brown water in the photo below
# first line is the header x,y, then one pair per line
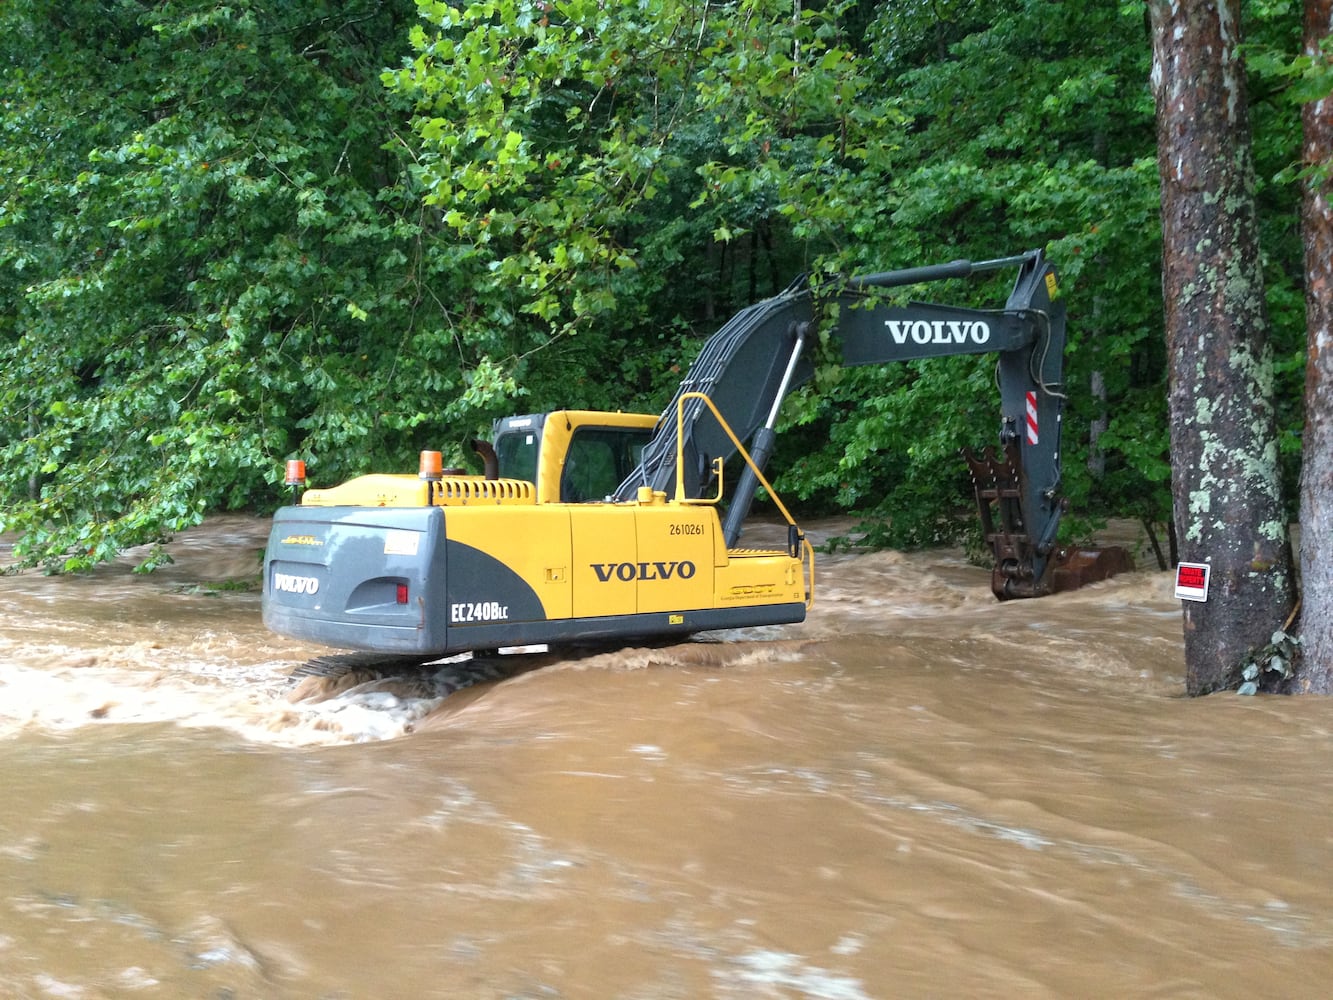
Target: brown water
x,y
920,792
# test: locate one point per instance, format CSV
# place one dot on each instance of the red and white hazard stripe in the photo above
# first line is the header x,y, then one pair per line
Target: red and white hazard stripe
x,y
1032,418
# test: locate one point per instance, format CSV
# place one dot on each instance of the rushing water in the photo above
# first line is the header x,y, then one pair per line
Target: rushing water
x,y
920,792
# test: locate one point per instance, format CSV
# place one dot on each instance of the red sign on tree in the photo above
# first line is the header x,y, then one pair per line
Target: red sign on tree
x,y
1192,581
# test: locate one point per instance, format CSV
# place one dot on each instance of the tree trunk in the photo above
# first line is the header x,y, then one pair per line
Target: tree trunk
x,y
1226,490
1097,457
1315,666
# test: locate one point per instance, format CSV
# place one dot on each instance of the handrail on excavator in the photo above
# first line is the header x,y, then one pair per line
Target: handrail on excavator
x,y
799,546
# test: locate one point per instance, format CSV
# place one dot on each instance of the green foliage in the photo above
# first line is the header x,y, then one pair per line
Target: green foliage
x,y
584,153
232,234
893,443
1032,126
211,259
1269,668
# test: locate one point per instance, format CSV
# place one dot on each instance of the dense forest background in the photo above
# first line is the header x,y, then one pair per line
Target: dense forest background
x,y
233,233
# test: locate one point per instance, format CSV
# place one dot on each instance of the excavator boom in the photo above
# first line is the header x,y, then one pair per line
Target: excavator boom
x,y
762,354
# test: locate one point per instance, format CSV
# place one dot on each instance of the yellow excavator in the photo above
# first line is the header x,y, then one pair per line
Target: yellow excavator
x,y
591,527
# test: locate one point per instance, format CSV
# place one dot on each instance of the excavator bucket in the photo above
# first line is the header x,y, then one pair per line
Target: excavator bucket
x,y
1022,568
1076,568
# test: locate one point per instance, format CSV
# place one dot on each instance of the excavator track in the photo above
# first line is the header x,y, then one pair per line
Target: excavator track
x,y
335,665
441,675
463,668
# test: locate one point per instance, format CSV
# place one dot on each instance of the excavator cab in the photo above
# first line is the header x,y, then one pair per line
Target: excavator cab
x,y
572,456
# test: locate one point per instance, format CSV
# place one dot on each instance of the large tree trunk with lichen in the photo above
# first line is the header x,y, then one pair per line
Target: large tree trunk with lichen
x,y
1226,490
1315,667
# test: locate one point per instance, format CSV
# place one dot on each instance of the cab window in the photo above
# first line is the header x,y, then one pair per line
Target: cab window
x,y
516,454
599,459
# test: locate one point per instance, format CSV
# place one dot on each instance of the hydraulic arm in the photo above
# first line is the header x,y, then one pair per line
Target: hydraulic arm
x,y
761,355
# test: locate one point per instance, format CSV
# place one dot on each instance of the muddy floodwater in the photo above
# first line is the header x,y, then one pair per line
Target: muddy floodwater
x,y
919,792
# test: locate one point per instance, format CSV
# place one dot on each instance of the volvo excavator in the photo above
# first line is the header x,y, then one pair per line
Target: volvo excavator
x,y
610,528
